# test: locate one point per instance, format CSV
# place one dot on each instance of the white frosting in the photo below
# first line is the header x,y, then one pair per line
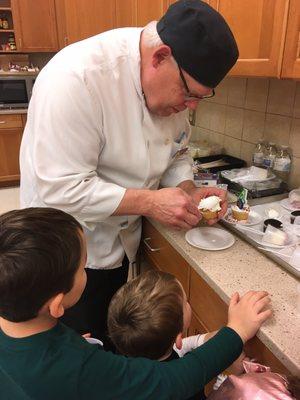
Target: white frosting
x,y
273,213
276,237
237,209
211,203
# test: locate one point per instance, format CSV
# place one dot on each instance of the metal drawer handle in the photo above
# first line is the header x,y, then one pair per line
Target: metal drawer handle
x,y
2,122
146,240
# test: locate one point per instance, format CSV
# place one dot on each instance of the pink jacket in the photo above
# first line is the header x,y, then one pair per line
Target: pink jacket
x,y
258,383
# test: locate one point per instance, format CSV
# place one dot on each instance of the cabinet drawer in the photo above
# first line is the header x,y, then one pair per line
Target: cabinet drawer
x,y
163,256
11,121
10,141
210,308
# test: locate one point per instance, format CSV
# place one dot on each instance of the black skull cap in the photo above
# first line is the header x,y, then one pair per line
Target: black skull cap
x,y
200,39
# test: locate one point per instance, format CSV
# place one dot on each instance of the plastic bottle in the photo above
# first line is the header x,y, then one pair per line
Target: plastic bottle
x,y
269,156
258,154
282,163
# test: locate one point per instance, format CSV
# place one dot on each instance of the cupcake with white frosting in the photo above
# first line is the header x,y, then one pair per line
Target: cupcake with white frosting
x,y
240,211
210,206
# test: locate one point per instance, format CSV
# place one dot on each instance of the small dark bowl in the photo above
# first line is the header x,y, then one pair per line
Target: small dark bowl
x,y
294,214
273,222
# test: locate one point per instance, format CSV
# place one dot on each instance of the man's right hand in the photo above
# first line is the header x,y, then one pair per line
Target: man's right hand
x,y
173,207
247,314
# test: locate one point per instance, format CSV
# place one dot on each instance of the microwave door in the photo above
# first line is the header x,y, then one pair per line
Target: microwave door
x,y
13,93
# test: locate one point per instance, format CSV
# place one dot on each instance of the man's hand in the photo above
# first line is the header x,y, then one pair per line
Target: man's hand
x,y
174,207
247,314
200,193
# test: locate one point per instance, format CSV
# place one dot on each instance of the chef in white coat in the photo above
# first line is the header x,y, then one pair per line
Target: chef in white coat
x,y
107,133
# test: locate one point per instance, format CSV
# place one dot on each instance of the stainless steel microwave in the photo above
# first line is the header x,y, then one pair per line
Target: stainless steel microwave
x,y
15,91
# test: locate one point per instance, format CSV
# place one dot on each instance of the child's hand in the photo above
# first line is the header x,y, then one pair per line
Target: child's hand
x,y
246,314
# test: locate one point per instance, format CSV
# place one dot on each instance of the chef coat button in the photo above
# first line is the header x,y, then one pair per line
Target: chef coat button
x,y
167,141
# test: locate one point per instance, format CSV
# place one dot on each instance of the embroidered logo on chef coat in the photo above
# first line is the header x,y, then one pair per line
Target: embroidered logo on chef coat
x,y
180,145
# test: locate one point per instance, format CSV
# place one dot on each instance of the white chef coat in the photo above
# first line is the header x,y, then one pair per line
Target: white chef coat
x,y
89,136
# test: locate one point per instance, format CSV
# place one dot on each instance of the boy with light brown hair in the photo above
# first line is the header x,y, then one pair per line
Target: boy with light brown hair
x,y
150,314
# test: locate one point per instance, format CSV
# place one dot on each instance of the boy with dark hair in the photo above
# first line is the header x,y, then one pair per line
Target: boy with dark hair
x,y
42,273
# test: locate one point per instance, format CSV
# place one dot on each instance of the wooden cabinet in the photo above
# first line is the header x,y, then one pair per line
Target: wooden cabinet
x,y
7,33
259,27
150,10
79,19
209,311
35,25
196,326
160,254
11,129
291,59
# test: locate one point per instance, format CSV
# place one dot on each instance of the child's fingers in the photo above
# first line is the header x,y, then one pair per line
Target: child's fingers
x,y
263,316
248,295
261,304
234,299
257,296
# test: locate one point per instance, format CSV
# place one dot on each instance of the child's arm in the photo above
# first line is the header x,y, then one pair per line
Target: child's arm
x,y
105,375
192,342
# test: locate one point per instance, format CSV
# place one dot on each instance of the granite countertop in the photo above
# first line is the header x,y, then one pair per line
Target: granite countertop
x,y
241,268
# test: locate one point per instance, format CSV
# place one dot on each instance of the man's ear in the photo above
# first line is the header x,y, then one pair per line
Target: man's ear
x,y
178,341
161,54
55,306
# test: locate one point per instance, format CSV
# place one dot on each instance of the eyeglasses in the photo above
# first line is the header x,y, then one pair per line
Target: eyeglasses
x,y
189,96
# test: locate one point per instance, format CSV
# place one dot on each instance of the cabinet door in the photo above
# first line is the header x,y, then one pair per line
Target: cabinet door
x,y
126,13
35,25
150,10
160,254
80,19
11,129
291,58
139,12
259,28
196,326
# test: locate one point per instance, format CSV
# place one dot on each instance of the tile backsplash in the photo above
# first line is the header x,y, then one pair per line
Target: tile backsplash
x,y
245,110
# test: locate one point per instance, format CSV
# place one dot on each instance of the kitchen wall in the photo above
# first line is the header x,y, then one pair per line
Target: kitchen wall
x,y
245,110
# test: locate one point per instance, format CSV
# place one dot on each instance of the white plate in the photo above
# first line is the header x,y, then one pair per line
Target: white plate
x,y
287,205
293,241
209,238
253,219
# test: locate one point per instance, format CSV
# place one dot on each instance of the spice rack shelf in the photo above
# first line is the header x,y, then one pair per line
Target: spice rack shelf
x,y
7,32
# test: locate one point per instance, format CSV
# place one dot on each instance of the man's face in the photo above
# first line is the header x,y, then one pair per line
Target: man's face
x,y
167,93
75,293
